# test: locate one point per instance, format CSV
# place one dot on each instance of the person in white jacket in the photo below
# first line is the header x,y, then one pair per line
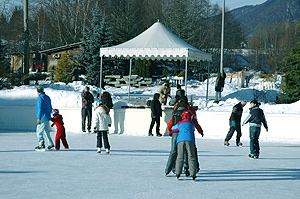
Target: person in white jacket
x,y
102,121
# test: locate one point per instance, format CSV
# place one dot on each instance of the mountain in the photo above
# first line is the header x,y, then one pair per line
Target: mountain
x,y
266,13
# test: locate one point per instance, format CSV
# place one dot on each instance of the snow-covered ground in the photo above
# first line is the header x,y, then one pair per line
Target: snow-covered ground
x,y
63,95
135,169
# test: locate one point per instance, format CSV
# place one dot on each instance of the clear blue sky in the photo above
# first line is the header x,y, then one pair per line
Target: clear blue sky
x,y
231,4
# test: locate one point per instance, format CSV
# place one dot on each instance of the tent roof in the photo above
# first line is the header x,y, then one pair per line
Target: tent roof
x,y
157,42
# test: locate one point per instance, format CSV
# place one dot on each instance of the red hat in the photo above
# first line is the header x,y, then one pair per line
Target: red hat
x,y
186,115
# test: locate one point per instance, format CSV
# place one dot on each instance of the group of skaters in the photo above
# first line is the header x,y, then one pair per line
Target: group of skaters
x,y
101,120
181,127
183,153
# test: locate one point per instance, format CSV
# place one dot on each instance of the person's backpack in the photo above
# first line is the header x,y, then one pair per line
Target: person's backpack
x,y
177,115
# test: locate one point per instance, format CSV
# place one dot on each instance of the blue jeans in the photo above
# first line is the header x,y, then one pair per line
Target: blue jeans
x,y
254,136
42,128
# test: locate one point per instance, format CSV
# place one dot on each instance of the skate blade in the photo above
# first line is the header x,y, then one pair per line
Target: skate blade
x,y
40,149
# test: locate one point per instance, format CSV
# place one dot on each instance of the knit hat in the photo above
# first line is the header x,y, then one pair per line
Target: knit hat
x,y
55,112
40,89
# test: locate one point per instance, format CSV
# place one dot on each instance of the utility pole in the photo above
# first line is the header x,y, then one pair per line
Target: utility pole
x,y
222,39
26,42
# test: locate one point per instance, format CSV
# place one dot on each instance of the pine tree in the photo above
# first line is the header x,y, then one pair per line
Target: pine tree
x,y
4,65
95,37
64,69
143,68
291,90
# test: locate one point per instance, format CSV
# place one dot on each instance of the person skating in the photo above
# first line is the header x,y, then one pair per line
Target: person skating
x,y
156,113
61,132
176,117
235,123
43,114
255,118
86,110
101,122
186,142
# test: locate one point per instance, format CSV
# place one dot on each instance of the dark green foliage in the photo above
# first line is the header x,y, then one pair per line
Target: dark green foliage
x,y
64,69
34,77
291,90
94,38
143,68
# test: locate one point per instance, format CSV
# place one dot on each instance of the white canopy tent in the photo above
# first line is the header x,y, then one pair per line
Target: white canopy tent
x,y
157,42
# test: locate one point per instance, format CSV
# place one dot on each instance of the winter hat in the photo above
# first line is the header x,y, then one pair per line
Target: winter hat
x,y
255,102
186,115
55,112
40,89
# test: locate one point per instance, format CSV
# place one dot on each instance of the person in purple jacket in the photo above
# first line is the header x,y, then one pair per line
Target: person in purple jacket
x,y
186,142
43,114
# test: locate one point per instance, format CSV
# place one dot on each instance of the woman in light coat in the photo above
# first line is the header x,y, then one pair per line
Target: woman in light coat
x,y
101,123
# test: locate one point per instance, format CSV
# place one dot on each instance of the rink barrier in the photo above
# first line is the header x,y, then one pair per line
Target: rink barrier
x,y
132,121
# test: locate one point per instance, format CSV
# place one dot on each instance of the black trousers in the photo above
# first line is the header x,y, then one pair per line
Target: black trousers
x,y
86,113
237,128
157,120
103,134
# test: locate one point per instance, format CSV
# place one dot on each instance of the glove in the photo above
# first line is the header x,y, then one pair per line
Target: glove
x,y
170,134
202,134
233,123
267,129
109,125
52,125
38,121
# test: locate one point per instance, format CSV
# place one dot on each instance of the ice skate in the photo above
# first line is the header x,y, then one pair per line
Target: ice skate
x,y
107,151
40,147
99,150
50,147
194,177
251,155
226,143
239,144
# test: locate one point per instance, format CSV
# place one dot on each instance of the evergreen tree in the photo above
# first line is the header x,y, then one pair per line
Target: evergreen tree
x,y
143,68
64,69
291,90
95,37
4,65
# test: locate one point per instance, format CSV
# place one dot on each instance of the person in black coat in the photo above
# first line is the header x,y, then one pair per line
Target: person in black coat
x,y
255,118
235,123
106,99
219,85
86,110
156,113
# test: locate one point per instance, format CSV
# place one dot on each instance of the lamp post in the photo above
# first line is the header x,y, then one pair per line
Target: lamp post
x,y
26,42
222,39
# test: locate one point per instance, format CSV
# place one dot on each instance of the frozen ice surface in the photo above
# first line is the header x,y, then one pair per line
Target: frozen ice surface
x,y
135,169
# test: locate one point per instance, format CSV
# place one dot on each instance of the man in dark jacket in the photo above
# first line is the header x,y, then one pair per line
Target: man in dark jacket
x,y
156,113
235,123
86,111
219,85
255,118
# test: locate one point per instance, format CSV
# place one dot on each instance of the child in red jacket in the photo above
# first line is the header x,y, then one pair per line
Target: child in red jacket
x,y
60,134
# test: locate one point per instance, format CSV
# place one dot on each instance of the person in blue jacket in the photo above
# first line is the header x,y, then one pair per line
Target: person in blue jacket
x,y
43,114
255,118
186,142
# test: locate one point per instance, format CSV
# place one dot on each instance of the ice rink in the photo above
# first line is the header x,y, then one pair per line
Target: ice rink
x,y
135,169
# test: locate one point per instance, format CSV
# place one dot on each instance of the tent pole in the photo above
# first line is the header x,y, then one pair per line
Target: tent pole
x,y
207,82
185,83
129,79
100,80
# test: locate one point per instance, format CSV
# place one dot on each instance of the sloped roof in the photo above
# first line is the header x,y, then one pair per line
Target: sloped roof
x,y
157,42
